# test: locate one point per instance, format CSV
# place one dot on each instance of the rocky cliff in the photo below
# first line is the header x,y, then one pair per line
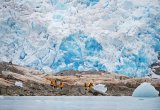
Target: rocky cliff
x,y
38,83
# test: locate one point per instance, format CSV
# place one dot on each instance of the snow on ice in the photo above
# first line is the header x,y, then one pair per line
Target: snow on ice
x,y
119,36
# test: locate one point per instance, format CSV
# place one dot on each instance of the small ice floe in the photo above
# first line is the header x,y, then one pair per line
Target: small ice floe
x,y
100,87
18,84
145,90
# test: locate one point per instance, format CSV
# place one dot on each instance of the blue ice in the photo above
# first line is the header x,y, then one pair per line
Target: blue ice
x,y
92,46
90,2
22,54
133,64
145,90
73,54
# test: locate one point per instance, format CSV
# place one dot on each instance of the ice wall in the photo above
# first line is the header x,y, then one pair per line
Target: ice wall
x,y
121,36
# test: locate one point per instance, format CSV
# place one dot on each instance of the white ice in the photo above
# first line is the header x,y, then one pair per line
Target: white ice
x,y
18,84
100,87
119,36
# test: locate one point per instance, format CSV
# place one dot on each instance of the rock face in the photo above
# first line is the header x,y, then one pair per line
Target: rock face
x,y
38,83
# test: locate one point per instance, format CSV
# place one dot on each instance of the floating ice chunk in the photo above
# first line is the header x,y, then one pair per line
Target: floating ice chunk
x,y
18,84
100,87
145,90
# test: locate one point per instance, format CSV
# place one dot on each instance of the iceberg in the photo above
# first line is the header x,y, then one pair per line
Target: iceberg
x,y
145,90
100,87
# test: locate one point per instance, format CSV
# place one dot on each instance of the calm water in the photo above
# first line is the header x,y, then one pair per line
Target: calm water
x,y
78,103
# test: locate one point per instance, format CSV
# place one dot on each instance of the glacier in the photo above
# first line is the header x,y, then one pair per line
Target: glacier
x,y
121,36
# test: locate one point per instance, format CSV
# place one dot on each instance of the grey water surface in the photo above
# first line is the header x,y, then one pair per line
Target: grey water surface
x,y
78,103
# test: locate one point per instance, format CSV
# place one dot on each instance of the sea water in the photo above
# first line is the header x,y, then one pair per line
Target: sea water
x,y
78,103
